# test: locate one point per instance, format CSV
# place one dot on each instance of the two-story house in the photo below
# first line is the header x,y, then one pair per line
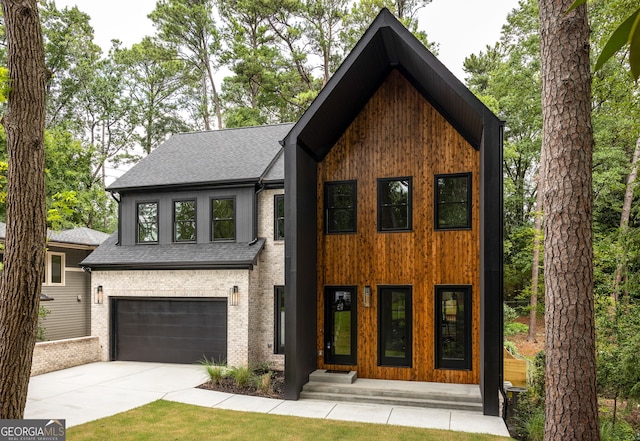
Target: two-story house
x,y
196,268
391,188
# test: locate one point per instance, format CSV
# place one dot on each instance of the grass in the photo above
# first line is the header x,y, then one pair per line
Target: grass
x,y
170,421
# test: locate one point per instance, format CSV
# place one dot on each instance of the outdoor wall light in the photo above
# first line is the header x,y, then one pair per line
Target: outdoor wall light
x,y
99,295
366,299
234,296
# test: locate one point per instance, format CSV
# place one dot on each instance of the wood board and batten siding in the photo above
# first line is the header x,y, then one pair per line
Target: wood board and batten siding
x,y
400,134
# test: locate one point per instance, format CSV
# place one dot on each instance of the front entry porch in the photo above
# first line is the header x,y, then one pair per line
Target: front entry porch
x,y
345,386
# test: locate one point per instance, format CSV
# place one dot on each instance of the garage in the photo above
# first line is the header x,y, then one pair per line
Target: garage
x,y
173,330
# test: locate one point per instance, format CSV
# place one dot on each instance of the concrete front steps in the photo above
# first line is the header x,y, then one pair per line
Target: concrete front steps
x,y
328,386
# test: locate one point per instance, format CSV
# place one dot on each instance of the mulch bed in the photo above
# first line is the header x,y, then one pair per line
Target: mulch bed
x,y
229,386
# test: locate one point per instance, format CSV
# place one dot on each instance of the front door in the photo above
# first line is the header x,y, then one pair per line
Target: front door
x,y
340,333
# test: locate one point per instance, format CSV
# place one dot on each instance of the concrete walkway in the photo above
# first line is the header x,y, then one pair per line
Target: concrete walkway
x,y
97,390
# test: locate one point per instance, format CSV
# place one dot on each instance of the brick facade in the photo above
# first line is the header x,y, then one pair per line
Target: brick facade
x,y
52,356
250,325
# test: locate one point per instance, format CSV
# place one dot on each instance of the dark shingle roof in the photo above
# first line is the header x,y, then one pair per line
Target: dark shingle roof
x,y
229,155
173,256
79,236
76,236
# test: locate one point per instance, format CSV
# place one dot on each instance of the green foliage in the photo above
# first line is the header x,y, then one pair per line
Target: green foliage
x,y
618,349
242,376
42,315
627,33
215,371
618,430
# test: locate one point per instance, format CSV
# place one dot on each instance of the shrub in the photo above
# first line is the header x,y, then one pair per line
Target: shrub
x,y
618,431
215,371
242,376
264,382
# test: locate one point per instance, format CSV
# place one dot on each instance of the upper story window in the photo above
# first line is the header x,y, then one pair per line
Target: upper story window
x,y
278,227
184,221
147,218
223,219
54,269
453,201
394,204
340,207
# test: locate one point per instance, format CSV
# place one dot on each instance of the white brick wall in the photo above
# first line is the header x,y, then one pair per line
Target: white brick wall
x,y
176,283
49,356
250,325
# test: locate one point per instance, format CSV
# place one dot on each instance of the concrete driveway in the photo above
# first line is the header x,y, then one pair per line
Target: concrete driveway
x,y
97,390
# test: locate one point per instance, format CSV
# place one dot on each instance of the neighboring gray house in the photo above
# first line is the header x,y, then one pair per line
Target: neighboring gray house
x,y
196,268
66,282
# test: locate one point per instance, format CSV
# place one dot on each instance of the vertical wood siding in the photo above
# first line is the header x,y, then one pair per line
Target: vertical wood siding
x,y
398,133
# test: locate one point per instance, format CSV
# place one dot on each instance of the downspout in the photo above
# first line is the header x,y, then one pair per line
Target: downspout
x,y
117,199
255,211
503,393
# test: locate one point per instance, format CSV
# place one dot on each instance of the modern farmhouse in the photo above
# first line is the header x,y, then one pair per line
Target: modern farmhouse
x,y
390,264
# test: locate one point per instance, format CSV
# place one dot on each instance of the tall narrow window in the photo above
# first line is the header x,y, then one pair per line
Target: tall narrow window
x,y
223,219
453,327
147,222
453,201
184,221
395,323
394,204
278,329
278,228
340,207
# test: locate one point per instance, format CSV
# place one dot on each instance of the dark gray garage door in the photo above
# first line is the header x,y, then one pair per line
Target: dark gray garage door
x,y
169,330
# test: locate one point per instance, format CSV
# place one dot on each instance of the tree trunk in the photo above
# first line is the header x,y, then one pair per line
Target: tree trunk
x,y
624,221
21,279
571,411
535,264
216,98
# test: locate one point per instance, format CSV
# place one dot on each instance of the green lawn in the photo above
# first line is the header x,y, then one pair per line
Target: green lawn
x,y
166,420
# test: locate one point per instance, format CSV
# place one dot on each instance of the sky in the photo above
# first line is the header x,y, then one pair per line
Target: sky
x,y
461,27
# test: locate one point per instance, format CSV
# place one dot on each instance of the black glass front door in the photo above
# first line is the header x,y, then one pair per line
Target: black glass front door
x,y
340,308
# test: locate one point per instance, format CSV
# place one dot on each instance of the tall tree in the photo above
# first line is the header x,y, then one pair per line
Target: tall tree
x,y
571,410
188,26
21,279
154,80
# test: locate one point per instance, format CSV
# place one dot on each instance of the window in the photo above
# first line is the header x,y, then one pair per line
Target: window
x,y
184,221
278,227
395,324
340,207
223,219
453,201
278,329
453,327
394,204
147,222
54,269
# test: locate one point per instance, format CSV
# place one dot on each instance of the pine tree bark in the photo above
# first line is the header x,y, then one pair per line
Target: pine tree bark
x,y
21,279
571,411
535,264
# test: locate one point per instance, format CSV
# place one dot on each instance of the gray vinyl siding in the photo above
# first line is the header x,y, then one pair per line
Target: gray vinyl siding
x,y
70,309
244,205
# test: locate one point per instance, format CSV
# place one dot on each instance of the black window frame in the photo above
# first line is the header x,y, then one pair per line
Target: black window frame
x,y
440,361
328,209
409,226
407,360
157,222
469,202
213,219
278,233
278,323
195,220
